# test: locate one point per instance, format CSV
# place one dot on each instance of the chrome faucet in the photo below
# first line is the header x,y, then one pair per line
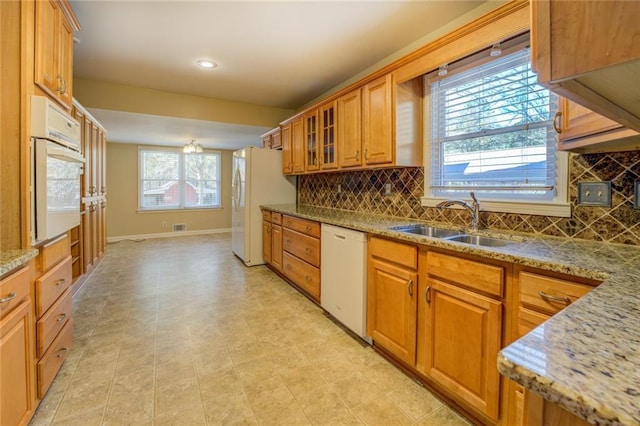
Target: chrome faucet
x,y
474,209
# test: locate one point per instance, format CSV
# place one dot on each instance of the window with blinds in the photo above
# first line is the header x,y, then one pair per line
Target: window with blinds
x,y
172,179
491,129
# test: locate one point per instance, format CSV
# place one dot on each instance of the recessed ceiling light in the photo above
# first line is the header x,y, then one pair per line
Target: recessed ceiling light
x,y
205,63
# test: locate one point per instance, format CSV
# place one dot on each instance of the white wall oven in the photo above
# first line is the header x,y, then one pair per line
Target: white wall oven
x,y
55,173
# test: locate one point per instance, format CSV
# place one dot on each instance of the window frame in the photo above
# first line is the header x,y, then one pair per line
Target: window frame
x,y
181,179
559,205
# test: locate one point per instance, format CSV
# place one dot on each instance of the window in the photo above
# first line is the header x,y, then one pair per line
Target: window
x,y
171,179
491,132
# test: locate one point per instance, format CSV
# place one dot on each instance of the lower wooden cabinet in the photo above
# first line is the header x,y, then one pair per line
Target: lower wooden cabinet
x,y
17,376
16,366
539,412
276,247
266,241
392,300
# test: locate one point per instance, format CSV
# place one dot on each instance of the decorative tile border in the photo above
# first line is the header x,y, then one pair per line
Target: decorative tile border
x,y
363,191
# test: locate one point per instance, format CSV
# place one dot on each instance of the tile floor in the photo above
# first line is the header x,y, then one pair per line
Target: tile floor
x,y
178,331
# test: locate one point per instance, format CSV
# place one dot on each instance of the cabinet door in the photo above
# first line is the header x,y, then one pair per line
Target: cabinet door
x,y
266,241
311,141
65,60
298,144
540,412
328,143
287,151
48,20
462,340
266,141
276,247
377,121
16,366
392,308
349,129
276,140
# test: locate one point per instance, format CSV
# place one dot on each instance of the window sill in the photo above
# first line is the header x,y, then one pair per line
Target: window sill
x,y
177,210
518,207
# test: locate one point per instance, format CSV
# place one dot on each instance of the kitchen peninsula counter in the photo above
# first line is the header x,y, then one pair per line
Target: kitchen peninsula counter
x,y
585,358
13,259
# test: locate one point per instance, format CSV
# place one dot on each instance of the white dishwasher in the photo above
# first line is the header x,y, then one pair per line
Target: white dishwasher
x,y
343,277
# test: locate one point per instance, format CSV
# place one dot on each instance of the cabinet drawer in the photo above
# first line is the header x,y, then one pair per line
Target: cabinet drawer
x,y
52,322
549,294
13,290
53,358
302,274
485,278
303,246
51,285
55,251
266,215
393,251
304,226
276,218
528,320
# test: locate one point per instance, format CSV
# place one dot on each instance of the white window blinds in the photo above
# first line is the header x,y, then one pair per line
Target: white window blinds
x,y
492,131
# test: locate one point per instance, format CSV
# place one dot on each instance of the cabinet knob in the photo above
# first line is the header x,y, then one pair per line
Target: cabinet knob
x,y
62,85
307,278
307,250
61,317
62,352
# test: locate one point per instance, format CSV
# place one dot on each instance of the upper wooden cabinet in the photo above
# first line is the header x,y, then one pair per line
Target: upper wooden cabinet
x,y
588,51
287,151
349,129
328,144
311,131
55,24
584,131
272,139
298,150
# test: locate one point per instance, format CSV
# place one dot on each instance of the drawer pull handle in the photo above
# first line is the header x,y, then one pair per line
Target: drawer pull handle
x,y
288,266
410,288
62,352
9,297
308,228
288,241
307,250
551,298
307,278
357,155
60,282
556,122
61,317
427,294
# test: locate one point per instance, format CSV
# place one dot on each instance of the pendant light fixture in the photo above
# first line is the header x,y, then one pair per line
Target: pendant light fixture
x,y
192,147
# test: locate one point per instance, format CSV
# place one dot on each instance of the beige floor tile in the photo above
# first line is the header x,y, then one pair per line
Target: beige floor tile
x,y
227,408
179,393
301,380
356,390
82,397
322,405
257,370
443,416
284,413
385,376
130,407
262,395
382,412
416,402
89,417
219,382
187,415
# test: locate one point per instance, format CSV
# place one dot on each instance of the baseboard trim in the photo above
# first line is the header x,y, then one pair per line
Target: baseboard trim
x,y
167,234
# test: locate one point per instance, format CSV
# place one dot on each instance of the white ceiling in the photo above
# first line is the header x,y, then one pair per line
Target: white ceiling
x,y
272,53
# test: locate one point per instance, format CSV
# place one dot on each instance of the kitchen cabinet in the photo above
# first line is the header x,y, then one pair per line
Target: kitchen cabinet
x,y
53,309
266,236
588,53
301,254
298,147
391,122
287,149
92,232
272,139
462,330
539,296
584,131
311,131
349,129
392,294
17,377
328,134
55,24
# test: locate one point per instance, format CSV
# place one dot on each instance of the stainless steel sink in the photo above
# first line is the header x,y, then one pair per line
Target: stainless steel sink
x,y
428,231
478,240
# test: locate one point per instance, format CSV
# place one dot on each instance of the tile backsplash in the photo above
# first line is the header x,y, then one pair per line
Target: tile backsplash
x,y
363,191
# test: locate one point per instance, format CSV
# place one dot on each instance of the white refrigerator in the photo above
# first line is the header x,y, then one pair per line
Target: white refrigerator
x,y
257,180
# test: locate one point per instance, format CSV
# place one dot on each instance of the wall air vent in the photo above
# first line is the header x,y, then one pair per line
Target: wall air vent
x,y
179,227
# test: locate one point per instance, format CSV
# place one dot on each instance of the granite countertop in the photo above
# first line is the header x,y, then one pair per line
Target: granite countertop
x,y
13,259
585,358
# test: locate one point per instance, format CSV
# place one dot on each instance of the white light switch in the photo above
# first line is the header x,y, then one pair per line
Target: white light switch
x,y
594,194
